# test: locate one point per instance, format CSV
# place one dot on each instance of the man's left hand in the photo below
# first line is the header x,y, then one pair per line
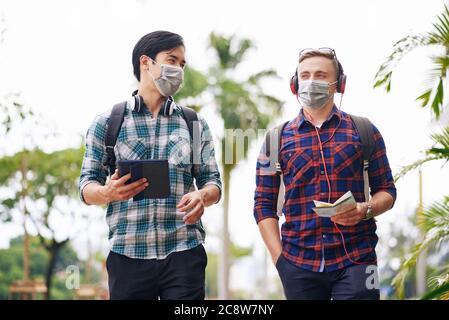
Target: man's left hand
x,y
351,214
193,204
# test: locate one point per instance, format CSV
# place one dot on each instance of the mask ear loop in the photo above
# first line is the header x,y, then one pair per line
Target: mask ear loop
x,y
341,99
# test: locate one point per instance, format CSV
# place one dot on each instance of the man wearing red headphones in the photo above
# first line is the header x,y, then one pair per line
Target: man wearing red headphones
x,y
321,157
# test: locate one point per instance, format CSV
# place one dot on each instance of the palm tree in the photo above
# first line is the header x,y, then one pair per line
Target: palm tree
x,y
433,95
433,221
242,105
194,84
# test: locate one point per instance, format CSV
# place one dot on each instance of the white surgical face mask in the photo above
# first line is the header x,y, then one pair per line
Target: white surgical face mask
x,y
170,79
314,93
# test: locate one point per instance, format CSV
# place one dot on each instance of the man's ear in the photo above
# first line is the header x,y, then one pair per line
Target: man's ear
x,y
144,62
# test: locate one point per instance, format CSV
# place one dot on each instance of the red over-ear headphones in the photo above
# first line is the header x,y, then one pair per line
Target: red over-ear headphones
x,y
341,80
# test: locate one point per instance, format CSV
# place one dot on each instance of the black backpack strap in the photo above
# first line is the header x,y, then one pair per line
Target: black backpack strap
x,y
191,118
365,129
113,129
273,151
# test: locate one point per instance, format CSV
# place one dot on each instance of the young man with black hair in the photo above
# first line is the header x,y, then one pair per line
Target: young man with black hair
x,y
157,243
321,157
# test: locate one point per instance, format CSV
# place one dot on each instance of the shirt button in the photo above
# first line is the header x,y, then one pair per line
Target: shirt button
x,y
321,172
324,236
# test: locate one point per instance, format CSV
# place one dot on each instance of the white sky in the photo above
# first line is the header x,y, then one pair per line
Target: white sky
x,y
71,60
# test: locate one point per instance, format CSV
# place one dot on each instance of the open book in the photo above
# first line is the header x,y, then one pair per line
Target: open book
x,y
324,209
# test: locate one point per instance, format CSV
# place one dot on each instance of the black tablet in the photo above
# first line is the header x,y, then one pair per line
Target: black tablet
x,y
156,173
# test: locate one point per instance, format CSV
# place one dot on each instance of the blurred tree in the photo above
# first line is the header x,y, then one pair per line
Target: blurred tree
x,y
14,114
433,220
11,260
236,252
242,105
41,179
195,83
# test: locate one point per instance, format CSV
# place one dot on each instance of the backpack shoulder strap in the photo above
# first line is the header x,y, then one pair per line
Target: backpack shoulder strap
x,y
191,118
365,129
273,151
113,129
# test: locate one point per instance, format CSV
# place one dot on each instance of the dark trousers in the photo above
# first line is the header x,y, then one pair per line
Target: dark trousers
x,y
350,283
179,276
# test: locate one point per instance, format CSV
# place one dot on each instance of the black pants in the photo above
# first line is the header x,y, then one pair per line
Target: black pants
x,y
179,276
352,283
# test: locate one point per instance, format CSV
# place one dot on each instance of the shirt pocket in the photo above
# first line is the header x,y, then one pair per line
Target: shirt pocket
x,y
347,159
135,149
179,151
297,166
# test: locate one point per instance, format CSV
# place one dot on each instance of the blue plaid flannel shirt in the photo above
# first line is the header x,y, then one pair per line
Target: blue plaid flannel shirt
x,y
151,228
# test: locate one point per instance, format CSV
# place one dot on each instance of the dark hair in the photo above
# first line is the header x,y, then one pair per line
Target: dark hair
x,y
153,43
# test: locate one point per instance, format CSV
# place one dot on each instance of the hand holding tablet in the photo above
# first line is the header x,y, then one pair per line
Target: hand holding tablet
x,y
155,171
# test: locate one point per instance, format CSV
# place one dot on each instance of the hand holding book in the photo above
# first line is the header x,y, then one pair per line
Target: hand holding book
x,y
325,209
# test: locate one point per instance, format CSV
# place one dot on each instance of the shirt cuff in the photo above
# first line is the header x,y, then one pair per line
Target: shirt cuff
x,y
260,218
215,183
82,186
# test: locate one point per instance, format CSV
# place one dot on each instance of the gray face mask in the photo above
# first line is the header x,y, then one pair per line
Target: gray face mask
x,y
314,93
170,80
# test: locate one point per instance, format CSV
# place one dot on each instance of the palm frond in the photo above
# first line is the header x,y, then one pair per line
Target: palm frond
x,y
440,34
435,223
243,46
400,50
432,237
442,139
436,216
255,78
229,53
433,96
439,151
439,280
222,47
440,292
415,165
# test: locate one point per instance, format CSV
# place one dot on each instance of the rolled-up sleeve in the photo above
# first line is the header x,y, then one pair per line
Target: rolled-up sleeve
x,y
380,176
206,171
267,188
93,169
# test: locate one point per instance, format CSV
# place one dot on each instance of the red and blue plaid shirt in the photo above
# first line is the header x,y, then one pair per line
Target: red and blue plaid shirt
x,y
305,235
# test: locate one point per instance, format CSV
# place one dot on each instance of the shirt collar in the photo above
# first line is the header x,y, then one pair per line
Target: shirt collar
x,y
300,119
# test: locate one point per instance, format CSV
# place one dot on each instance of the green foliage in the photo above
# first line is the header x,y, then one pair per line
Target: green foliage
x,y
11,261
194,84
48,175
13,112
230,51
433,95
434,220
34,175
439,151
435,223
240,252
242,104
211,275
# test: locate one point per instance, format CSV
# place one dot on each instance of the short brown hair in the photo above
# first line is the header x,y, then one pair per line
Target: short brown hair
x,y
317,53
